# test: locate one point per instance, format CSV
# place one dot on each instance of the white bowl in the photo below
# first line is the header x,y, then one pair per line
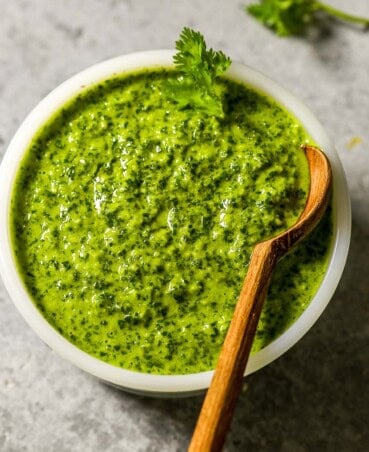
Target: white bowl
x,y
139,382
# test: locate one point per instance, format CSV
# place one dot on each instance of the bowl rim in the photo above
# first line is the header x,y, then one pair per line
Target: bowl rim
x,y
166,385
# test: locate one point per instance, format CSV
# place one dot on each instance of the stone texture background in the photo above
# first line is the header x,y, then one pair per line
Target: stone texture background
x,y
314,398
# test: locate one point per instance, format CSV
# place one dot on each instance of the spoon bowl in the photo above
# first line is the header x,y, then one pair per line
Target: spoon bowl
x,y
220,400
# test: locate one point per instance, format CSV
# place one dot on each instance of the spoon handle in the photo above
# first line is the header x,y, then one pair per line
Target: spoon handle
x,y
220,401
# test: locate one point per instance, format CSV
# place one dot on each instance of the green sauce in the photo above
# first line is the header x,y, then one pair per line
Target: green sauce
x,y
133,222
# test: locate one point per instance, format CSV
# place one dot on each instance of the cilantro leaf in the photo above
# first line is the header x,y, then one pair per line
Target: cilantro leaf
x,y
199,67
285,17
291,17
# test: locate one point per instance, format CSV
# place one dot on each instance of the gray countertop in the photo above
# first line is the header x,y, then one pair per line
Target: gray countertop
x,y
315,397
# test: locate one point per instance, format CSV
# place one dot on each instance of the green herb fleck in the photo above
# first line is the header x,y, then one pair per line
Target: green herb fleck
x,y
292,17
199,67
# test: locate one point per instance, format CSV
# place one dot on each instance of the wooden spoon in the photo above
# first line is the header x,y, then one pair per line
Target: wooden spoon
x,y
220,401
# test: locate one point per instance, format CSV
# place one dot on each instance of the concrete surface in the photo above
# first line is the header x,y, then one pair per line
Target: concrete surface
x,y
314,398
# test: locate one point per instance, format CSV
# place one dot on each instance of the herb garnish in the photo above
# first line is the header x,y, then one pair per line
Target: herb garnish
x,y
199,67
291,17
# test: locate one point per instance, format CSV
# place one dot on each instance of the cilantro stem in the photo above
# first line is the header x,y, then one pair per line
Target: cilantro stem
x,y
341,14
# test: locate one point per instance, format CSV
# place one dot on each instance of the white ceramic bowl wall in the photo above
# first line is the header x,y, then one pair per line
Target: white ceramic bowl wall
x,y
146,383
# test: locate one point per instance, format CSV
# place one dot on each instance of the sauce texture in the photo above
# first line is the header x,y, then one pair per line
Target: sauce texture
x,y
133,221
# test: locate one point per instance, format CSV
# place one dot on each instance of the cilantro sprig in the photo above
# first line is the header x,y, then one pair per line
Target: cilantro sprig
x,y
198,68
292,17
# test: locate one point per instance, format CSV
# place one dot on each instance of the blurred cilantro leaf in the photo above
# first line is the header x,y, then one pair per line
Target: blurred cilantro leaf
x,y
291,17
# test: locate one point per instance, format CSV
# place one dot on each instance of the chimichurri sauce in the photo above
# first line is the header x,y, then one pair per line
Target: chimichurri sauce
x,y
133,221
